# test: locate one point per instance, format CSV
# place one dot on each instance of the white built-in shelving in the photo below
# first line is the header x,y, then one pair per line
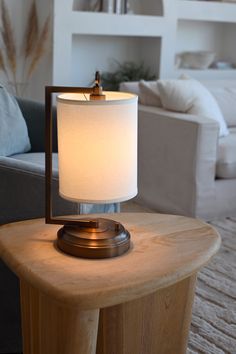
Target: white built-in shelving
x,y
84,41
207,26
97,40
206,11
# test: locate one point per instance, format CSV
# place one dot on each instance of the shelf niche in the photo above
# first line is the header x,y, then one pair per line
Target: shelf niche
x,y
147,8
91,53
218,37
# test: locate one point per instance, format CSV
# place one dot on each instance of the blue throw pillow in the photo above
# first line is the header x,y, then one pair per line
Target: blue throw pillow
x,y
14,138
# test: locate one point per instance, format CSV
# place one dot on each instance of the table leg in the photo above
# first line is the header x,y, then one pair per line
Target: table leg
x,y
50,328
157,323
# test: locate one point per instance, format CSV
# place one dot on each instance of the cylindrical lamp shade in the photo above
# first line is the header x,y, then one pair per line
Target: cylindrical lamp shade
x,y
97,147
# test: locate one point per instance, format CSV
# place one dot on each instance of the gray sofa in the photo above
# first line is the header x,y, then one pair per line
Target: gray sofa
x,y
22,196
184,167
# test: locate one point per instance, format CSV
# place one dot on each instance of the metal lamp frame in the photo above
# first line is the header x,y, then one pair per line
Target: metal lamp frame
x,y
49,91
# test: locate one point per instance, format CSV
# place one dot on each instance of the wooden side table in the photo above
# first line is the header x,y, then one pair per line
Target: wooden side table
x,y
139,303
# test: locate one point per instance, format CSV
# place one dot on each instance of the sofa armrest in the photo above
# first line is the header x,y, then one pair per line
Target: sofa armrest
x,y
22,191
177,160
34,114
24,167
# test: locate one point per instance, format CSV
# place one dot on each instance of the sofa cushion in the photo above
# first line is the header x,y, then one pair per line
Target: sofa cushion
x,y
130,86
190,96
37,159
34,163
149,93
13,133
226,159
226,99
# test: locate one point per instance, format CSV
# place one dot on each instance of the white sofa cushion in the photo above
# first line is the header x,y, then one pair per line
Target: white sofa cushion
x,y
190,96
130,86
226,160
149,93
226,99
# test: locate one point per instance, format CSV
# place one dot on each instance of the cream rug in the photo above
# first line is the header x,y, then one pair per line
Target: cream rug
x,y
213,328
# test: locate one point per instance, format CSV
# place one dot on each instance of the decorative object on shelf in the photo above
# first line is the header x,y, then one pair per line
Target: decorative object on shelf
x,y
108,6
94,5
222,65
120,6
123,7
128,9
231,1
195,60
97,164
127,71
111,6
18,66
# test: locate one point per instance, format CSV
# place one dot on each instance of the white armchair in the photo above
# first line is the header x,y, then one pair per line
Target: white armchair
x,y
184,168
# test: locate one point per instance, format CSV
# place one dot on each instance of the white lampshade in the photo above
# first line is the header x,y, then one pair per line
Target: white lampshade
x,y
97,147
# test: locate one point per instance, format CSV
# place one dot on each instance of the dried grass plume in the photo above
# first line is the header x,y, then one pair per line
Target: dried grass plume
x,y
8,38
40,47
2,64
32,49
31,31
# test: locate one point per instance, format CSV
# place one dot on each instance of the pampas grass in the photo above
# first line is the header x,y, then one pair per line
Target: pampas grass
x,y
8,38
39,48
32,49
2,64
31,31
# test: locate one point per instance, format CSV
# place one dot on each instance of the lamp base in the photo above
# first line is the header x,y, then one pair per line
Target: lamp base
x,y
106,240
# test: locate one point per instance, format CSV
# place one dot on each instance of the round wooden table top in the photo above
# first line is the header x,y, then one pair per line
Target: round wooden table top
x,y
165,249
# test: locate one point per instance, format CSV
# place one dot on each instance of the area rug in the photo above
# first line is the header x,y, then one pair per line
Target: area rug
x,y
213,328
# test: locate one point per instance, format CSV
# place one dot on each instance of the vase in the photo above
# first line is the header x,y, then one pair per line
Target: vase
x,y
122,7
108,6
119,7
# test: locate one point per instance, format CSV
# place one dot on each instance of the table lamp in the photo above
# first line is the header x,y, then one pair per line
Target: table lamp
x,y
97,163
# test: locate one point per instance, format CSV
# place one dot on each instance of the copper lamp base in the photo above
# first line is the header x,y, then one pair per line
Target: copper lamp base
x,y
106,239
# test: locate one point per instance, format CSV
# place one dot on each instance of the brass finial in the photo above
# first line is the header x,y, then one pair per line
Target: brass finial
x,y
97,88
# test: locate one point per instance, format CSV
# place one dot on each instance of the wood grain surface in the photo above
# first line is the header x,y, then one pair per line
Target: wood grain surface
x,y
157,323
139,303
49,328
165,249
